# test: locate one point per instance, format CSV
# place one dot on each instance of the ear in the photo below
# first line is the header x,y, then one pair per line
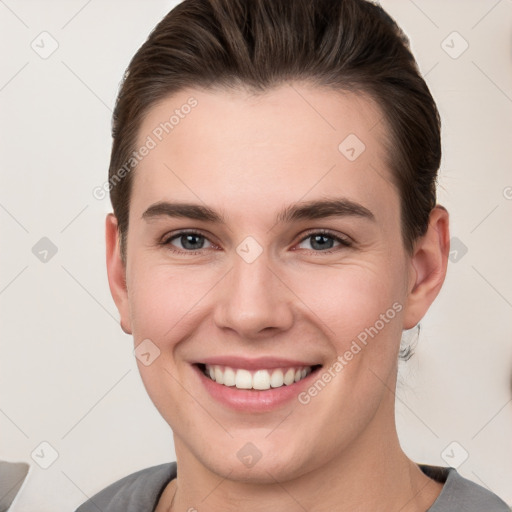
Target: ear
x,y
427,267
116,270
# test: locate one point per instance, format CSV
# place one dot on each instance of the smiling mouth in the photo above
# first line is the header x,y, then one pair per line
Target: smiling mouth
x,y
259,380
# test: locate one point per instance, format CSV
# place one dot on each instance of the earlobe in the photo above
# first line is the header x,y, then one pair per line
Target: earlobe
x,y
116,270
428,267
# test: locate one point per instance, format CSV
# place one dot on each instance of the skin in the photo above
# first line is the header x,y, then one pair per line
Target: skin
x,y
247,156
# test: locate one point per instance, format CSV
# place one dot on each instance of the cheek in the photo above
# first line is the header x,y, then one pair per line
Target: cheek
x,y
164,304
343,301
163,299
351,298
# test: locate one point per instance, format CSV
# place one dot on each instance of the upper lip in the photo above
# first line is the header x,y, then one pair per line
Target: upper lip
x,y
257,363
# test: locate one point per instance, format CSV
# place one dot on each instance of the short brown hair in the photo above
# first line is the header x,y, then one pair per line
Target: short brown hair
x,y
351,45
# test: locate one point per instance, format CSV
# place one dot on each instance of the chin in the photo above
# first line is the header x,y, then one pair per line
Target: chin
x,y
261,462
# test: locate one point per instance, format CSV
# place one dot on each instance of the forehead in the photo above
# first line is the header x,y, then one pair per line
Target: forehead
x,y
279,146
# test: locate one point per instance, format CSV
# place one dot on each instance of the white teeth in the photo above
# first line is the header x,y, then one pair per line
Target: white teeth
x,y
277,379
243,379
260,379
219,375
289,376
229,377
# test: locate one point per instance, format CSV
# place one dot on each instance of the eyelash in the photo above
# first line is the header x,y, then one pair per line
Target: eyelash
x,y
344,242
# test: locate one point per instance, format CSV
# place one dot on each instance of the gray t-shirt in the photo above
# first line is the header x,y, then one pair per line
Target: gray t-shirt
x,y
140,492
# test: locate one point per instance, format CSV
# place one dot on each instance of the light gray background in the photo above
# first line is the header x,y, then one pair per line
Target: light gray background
x,y
68,376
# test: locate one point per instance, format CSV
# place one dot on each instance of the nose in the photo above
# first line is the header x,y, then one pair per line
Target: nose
x,y
254,300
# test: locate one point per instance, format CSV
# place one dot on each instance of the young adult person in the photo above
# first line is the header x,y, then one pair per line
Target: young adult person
x,y
275,230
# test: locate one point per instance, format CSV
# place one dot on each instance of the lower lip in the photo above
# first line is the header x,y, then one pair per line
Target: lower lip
x,y
246,400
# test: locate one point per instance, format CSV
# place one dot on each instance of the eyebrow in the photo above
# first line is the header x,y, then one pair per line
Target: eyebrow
x,y
310,210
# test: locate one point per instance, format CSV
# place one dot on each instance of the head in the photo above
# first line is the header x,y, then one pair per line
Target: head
x,y
273,178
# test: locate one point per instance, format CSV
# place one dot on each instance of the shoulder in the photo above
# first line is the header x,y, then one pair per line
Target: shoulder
x,y
133,492
459,493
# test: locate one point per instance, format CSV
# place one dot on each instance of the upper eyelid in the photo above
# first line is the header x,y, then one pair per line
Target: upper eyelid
x,y
169,236
345,240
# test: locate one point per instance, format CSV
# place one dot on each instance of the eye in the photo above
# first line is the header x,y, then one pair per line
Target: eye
x,y
190,242
193,242
323,241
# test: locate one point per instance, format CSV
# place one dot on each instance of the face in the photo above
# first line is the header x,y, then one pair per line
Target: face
x,y
264,250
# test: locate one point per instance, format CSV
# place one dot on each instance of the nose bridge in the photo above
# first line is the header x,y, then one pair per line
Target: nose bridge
x,y
253,297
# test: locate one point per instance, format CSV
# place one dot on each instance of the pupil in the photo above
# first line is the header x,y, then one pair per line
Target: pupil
x,y
317,239
191,240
